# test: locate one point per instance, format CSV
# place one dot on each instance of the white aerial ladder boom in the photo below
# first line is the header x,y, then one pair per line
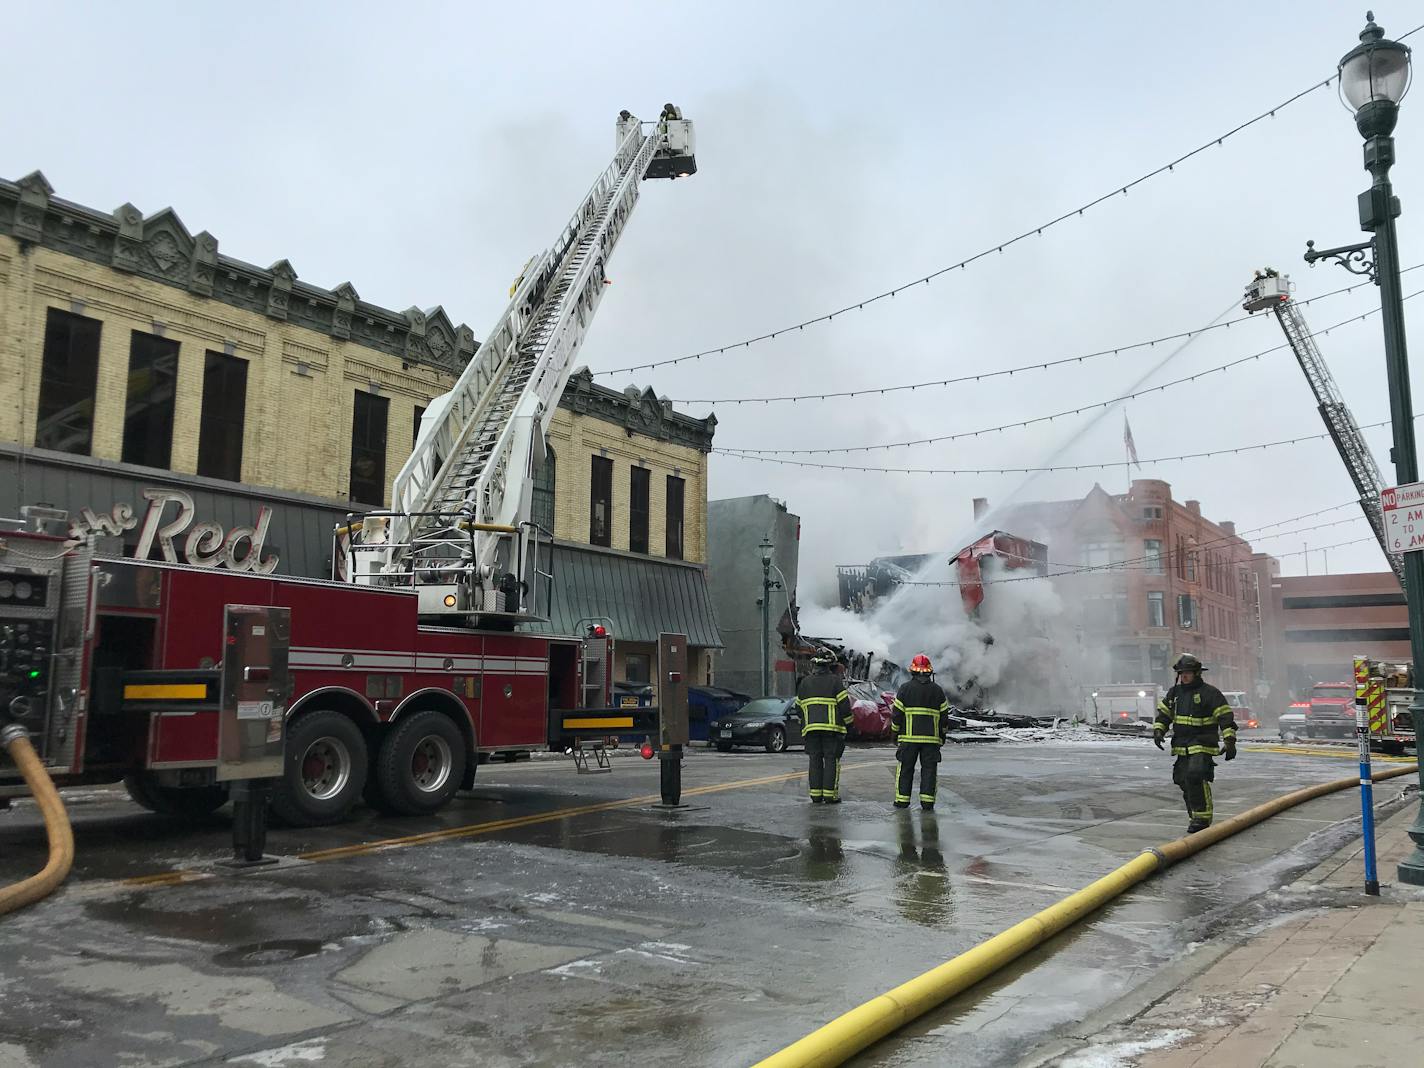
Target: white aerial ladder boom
x,y
1270,289
458,530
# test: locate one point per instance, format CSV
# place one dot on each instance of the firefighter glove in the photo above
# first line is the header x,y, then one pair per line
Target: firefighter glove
x,y
1157,740
1230,752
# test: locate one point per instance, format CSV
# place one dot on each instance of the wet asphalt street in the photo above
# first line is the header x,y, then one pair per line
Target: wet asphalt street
x,y
551,918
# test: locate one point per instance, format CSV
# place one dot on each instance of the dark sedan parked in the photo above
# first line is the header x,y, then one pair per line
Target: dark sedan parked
x,y
771,723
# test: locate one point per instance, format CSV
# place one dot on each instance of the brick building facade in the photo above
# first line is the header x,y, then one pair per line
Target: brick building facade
x,y
1146,578
136,359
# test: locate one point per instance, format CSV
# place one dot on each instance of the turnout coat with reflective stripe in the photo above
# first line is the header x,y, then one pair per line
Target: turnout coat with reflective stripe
x,y
921,713
1199,717
824,704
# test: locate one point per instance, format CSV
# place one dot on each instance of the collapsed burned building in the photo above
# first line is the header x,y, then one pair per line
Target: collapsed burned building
x,y
866,589
863,586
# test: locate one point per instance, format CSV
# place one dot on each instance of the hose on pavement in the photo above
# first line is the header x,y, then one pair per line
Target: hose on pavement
x,y
15,740
846,1035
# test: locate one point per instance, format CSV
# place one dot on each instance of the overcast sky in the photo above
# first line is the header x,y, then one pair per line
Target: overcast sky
x,y
424,151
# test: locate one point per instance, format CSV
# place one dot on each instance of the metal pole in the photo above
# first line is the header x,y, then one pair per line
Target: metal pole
x,y
1378,210
1367,795
765,616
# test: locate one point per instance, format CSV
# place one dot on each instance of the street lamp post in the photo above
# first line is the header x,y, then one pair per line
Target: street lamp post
x,y
767,585
1374,76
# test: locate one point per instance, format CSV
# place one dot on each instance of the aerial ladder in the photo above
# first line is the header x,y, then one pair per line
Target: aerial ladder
x,y
1270,289
458,530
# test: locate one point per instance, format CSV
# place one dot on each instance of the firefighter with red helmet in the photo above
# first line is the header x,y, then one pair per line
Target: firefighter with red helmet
x,y
825,716
919,722
1202,727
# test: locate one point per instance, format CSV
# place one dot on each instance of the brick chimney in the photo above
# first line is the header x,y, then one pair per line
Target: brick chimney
x,y
1229,527
981,507
1194,507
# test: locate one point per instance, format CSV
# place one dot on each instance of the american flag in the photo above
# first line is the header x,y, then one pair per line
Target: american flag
x,y
1127,440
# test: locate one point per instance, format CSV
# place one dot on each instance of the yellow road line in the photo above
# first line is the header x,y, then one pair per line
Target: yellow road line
x,y
470,830
1339,754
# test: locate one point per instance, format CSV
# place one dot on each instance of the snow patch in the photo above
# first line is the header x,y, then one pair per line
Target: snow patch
x,y
313,1049
570,970
1120,1054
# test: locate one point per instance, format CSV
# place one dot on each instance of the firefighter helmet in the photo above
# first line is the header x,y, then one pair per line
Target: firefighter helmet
x,y
823,659
1187,662
920,665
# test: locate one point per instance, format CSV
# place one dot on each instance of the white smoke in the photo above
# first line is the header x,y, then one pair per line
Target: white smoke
x,y
1019,654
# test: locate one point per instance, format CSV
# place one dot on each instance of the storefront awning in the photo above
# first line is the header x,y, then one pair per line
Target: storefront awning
x,y
639,597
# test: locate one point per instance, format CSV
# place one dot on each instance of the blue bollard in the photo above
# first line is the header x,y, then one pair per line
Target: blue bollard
x,y
1367,797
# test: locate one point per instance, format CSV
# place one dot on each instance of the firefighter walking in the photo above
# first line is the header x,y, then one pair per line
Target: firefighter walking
x,y
1203,727
919,723
825,718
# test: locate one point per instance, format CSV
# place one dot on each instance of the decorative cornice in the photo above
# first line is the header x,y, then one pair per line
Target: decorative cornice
x,y
160,248
638,412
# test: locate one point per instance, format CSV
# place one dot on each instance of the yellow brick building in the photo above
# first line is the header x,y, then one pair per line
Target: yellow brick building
x,y
135,357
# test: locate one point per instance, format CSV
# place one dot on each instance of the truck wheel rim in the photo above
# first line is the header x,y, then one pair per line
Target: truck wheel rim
x,y
326,768
430,764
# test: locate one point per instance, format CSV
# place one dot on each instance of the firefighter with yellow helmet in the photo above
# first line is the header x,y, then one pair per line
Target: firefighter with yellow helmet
x,y
919,722
826,717
1203,727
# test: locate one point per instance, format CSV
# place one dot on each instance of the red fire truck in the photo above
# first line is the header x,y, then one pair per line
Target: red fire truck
x,y
126,669
388,684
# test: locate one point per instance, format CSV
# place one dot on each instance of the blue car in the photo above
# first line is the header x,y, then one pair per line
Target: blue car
x,y
706,705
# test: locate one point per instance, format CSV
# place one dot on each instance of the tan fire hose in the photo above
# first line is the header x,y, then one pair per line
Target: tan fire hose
x,y
15,740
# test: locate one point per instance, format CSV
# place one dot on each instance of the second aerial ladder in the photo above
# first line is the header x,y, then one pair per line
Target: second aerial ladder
x,y
1270,289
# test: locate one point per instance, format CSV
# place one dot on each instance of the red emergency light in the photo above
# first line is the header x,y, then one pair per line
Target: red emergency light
x,y
646,751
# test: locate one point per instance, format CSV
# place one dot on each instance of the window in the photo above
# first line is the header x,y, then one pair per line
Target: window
x,y
1152,512
1156,609
600,502
224,415
1186,612
368,448
1152,556
1126,663
1157,657
69,375
1105,613
148,410
639,479
1192,565
541,509
674,517
638,667
1102,553
415,429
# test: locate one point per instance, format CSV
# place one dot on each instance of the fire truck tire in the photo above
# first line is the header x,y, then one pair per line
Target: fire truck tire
x,y
325,770
188,802
421,763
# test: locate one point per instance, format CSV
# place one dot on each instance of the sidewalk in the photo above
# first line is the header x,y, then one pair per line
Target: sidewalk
x,y
1324,989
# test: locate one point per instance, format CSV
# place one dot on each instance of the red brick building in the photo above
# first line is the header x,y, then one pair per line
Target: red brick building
x,y
1146,578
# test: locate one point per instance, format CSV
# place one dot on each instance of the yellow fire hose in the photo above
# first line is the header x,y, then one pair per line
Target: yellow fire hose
x,y
61,837
846,1035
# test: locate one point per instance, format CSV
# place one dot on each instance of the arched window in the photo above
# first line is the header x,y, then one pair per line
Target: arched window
x,y
542,507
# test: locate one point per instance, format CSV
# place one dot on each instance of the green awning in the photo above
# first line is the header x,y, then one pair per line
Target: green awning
x,y
642,596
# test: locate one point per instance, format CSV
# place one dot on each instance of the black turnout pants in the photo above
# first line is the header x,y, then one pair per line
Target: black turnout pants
x,y
824,748
928,755
1194,774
